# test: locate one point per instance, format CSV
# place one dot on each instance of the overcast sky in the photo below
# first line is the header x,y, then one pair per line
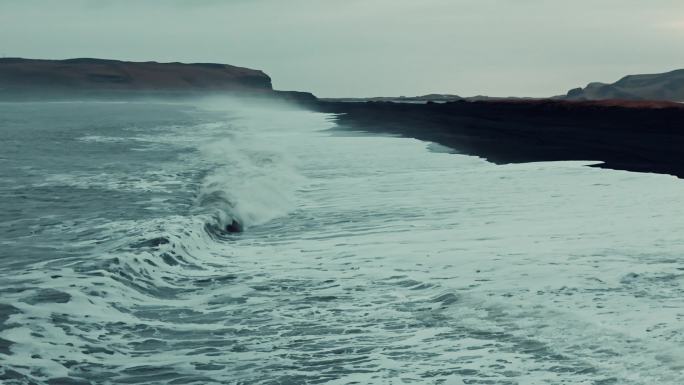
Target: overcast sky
x,y
368,47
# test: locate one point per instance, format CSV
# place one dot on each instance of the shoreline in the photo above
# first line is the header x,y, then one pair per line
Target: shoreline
x,y
639,136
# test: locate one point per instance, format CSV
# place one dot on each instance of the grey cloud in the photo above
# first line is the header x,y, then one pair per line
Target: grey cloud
x,y
367,47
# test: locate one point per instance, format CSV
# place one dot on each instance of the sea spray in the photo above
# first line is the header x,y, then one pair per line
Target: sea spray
x,y
252,183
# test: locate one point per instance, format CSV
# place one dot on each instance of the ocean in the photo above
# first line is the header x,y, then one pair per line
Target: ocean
x,y
364,259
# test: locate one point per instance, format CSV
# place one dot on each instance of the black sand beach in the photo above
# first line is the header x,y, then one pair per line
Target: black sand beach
x,y
625,135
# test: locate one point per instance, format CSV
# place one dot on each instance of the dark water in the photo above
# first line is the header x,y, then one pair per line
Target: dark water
x,y
364,260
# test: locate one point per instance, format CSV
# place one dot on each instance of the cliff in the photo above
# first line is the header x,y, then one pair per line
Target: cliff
x,y
32,78
665,86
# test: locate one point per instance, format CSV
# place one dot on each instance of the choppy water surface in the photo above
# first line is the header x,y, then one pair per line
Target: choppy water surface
x,y
367,260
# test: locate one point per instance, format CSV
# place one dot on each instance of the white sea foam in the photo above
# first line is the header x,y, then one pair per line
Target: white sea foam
x,y
375,260
252,182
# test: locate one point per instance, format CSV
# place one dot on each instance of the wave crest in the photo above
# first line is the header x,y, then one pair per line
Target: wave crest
x,y
252,184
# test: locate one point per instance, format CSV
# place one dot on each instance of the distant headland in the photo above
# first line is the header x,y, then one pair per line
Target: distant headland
x,y
662,86
30,79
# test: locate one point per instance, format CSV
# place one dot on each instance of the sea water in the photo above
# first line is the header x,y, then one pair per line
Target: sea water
x,y
364,259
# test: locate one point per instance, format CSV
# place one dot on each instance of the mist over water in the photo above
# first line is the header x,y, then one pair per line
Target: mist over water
x,y
364,259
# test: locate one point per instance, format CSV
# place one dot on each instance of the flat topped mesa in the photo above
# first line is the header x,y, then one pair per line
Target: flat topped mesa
x,y
86,76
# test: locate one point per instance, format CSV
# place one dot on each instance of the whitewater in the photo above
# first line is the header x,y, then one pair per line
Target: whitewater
x,y
364,259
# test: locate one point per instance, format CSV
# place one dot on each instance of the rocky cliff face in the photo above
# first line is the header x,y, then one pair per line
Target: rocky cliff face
x,y
665,86
30,77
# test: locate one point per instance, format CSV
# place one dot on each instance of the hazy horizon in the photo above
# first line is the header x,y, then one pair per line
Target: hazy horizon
x,y
367,48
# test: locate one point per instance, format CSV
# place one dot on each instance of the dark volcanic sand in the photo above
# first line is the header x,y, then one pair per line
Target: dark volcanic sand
x,y
626,135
